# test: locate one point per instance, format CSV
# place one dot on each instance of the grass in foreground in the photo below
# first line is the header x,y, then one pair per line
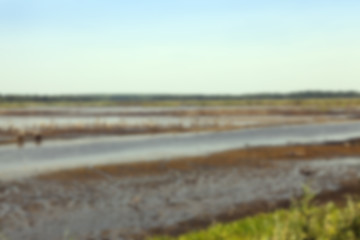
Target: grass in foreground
x,y
302,222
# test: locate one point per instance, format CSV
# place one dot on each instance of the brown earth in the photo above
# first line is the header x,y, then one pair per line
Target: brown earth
x,y
296,111
13,136
252,157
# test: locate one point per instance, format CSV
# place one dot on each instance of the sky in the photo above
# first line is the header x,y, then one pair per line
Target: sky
x,y
179,46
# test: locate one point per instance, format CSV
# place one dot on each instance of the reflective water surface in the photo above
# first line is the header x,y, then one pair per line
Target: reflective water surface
x,y
58,154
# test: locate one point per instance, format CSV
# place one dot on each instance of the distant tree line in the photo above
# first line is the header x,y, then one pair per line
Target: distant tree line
x,y
179,97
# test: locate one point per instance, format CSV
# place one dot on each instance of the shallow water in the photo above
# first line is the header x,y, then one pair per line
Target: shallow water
x,y
31,122
53,155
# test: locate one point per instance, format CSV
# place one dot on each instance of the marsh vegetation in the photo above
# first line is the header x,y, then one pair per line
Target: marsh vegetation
x,y
302,221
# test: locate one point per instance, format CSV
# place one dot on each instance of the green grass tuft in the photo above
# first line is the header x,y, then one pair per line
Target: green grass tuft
x,y
301,222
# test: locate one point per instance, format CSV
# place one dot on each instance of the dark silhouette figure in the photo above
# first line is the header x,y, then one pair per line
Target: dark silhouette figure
x,y
307,172
38,138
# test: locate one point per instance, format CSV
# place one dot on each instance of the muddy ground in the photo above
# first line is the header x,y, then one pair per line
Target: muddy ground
x,y
181,111
187,120
133,201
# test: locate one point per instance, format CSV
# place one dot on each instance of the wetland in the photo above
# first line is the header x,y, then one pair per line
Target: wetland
x,y
134,172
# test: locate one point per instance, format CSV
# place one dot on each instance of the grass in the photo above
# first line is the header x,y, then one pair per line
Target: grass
x,y
302,221
320,103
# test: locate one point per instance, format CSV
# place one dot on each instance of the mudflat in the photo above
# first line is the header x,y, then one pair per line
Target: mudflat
x,y
131,201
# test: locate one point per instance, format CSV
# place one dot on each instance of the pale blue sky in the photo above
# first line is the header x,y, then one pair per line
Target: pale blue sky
x,y
184,46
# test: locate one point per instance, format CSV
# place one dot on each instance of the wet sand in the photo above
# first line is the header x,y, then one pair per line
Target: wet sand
x,y
130,201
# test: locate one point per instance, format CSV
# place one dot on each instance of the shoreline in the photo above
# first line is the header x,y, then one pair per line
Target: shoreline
x,y
244,157
49,133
